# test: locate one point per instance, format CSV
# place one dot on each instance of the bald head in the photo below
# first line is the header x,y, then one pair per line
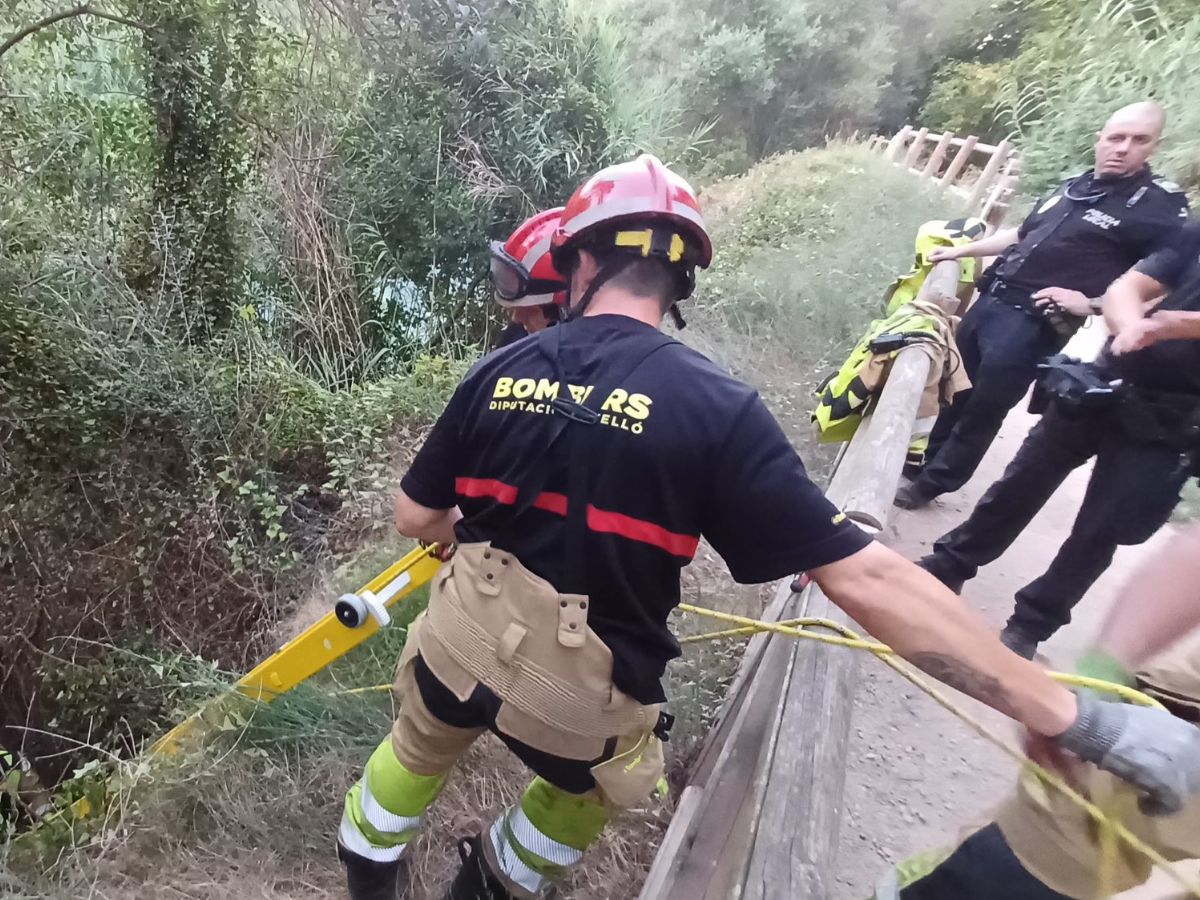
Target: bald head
x,y
1129,138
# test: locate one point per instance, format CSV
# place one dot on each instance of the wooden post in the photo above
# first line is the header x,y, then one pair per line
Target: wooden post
x,y
984,184
997,205
892,153
719,834
914,150
960,161
798,830
934,164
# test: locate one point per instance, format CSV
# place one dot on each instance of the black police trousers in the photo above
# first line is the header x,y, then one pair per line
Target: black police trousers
x,y
1132,491
1001,347
982,868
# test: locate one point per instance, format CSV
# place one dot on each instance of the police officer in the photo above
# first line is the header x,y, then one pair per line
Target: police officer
x,y
577,472
1050,274
1044,847
1136,410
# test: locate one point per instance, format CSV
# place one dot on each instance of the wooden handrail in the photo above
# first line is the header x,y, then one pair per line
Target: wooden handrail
x,y
759,818
985,196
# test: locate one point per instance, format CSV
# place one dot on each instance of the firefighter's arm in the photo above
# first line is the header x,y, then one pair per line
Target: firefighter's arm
x,y
1159,605
911,611
992,245
423,523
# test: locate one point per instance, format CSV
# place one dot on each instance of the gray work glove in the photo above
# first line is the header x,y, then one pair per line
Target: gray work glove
x,y
1150,748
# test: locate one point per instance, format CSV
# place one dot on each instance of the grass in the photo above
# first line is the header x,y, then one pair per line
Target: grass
x,y
806,244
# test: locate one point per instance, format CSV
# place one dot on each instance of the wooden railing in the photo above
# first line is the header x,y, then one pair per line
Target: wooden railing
x,y
759,817
985,175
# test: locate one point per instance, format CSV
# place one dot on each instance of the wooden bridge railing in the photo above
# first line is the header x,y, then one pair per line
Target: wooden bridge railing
x,y
987,193
760,817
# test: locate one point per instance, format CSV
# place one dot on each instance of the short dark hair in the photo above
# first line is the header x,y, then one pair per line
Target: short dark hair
x,y
650,278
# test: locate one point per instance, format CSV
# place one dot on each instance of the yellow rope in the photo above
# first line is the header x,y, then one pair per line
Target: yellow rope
x,y
1110,828
798,628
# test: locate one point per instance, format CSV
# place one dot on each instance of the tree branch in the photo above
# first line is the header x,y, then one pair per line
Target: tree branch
x,y
84,9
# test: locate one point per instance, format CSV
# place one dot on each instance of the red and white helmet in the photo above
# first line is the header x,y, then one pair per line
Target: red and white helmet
x,y
643,192
522,270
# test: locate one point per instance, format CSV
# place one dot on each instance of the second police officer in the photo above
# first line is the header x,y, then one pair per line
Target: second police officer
x,y
1048,278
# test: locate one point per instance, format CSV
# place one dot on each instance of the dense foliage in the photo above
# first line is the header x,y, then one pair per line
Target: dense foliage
x,y
758,77
241,248
1051,71
242,259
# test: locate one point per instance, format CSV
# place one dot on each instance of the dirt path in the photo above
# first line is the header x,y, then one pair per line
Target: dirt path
x,y
917,778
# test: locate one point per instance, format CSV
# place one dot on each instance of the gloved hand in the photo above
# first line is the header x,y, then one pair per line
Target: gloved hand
x,y
1149,748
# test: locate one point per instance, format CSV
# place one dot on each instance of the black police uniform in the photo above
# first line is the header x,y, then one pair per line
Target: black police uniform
x,y
983,867
1145,445
1081,237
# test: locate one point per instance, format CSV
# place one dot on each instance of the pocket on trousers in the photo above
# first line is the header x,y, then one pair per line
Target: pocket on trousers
x,y
631,776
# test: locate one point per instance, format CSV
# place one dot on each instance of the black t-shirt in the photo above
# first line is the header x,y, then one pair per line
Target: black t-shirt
x,y
1172,366
1086,244
682,450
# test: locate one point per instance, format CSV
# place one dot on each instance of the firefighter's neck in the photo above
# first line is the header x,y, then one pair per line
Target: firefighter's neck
x,y
611,300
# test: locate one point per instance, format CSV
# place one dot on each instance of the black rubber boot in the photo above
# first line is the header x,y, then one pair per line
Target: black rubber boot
x,y
367,879
475,880
1019,642
931,564
910,496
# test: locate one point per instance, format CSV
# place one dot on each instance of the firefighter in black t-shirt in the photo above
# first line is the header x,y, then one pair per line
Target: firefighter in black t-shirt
x,y
525,282
1136,410
577,471
1048,278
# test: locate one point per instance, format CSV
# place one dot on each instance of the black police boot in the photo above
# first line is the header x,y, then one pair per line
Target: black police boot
x,y
475,880
935,568
910,496
1019,642
367,879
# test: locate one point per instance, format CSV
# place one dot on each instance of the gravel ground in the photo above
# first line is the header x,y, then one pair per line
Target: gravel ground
x,y
917,778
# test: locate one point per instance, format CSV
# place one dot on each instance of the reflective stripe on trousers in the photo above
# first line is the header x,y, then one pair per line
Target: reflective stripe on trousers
x,y
526,855
538,839
362,808
385,809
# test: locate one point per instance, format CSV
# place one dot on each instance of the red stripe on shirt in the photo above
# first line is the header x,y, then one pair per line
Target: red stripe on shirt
x,y
597,519
552,502
640,530
486,487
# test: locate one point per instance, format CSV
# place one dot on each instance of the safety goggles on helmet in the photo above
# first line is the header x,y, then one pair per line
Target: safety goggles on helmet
x,y
513,282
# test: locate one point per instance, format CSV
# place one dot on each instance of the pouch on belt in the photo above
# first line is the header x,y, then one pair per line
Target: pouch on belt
x,y
493,622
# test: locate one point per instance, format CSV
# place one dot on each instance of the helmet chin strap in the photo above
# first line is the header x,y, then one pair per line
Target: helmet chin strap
x,y
607,272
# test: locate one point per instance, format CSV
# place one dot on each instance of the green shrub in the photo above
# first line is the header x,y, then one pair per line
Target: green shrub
x,y
1072,79
971,98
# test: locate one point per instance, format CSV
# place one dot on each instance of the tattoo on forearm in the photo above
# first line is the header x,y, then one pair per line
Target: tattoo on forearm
x,y
960,676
